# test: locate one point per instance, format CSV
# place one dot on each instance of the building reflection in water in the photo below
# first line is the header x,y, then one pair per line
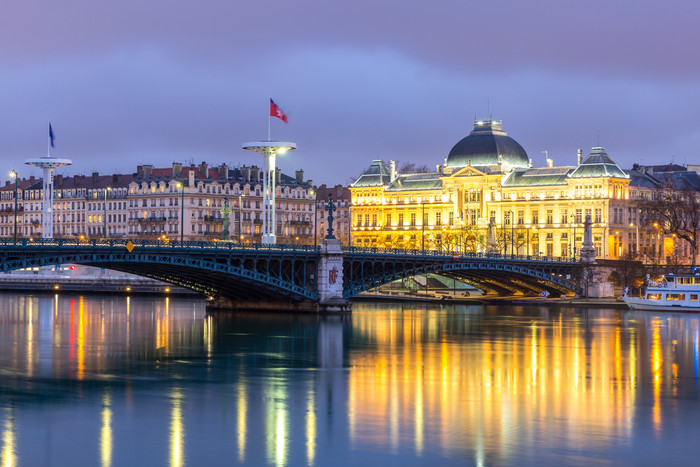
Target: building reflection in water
x,y
8,455
482,385
177,430
501,386
106,430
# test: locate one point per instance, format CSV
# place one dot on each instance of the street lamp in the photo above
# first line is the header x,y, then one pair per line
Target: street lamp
x,y
315,195
422,225
636,247
512,233
240,232
13,174
573,240
105,211
181,185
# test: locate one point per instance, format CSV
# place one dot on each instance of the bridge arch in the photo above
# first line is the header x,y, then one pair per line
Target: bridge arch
x,y
501,275
213,276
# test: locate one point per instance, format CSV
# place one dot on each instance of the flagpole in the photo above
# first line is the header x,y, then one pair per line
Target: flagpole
x,y
48,143
268,122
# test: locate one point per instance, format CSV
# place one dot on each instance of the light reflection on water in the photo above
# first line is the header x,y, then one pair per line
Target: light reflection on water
x,y
130,381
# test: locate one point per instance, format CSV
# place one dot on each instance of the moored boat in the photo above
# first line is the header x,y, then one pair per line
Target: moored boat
x,y
674,292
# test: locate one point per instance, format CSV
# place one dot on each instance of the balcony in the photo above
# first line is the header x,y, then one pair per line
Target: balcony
x,y
152,219
213,219
302,222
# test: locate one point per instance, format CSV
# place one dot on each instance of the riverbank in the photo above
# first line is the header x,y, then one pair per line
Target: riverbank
x,y
610,302
52,282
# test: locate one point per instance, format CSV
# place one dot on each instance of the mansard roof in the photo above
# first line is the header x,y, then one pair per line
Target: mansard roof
x,y
377,174
416,181
598,164
538,176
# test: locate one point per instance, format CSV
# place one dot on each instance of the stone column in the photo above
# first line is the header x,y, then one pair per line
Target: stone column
x,y
330,277
491,244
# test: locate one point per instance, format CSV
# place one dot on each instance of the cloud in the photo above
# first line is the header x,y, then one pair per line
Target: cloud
x,y
347,105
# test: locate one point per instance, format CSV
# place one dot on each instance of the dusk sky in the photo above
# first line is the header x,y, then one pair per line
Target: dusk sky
x,y
153,82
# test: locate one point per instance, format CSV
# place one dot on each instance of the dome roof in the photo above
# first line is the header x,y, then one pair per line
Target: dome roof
x,y
488,144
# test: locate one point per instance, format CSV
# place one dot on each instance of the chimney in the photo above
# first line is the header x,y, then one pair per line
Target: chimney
x,y
147,170
139,171
550,163
437,168
95,177
116,178
223,171
7,183
204,169
580,156
278,176
177,169
300,177
190,177
392,170
31,178
57,180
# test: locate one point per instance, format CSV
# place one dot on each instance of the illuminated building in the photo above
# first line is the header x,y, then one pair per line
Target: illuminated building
x,y
148,204
537,211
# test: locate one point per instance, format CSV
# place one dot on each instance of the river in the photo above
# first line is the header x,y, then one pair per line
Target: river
x,y
110,380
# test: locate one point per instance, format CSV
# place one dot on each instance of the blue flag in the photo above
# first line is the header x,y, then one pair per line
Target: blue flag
x,y
51,137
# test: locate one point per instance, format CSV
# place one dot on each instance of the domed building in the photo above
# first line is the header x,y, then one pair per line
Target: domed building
x,y
488,175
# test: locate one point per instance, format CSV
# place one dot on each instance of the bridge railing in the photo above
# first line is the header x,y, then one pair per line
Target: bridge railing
x,y
111,243
455,256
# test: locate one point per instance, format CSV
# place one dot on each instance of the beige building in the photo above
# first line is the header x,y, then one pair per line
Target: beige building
x,y
536,211
150,204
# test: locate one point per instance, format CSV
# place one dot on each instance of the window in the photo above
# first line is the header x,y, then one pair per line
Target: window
x,y
451,218
598,215
413,219
550,216
675,296
579,213
564,216
536,216
521,217
401,219
388,220
694,297
438,218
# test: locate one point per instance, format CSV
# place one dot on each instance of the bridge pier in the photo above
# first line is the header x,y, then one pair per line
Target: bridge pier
x,y
330,278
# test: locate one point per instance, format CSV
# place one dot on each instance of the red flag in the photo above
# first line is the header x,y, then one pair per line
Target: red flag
x,y
275,111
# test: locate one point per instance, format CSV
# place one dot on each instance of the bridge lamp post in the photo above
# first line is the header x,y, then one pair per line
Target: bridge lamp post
x,y
105,211
13,174
181,186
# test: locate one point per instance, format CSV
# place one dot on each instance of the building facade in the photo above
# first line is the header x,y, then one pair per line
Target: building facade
x,y
162,203
488,177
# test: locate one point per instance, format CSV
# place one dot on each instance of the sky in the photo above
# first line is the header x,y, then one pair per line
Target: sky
x,y
134,82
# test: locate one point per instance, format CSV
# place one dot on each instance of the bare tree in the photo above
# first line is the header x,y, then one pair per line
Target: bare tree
x,y
674,211
410,167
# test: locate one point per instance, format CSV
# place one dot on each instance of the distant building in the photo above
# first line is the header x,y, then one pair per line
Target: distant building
x,y
341,224
537,211
148,205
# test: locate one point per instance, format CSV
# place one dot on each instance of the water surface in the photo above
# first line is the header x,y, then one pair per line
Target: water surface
x,y
110,380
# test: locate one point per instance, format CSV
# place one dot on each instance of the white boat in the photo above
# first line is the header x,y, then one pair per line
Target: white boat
x,y
675,292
